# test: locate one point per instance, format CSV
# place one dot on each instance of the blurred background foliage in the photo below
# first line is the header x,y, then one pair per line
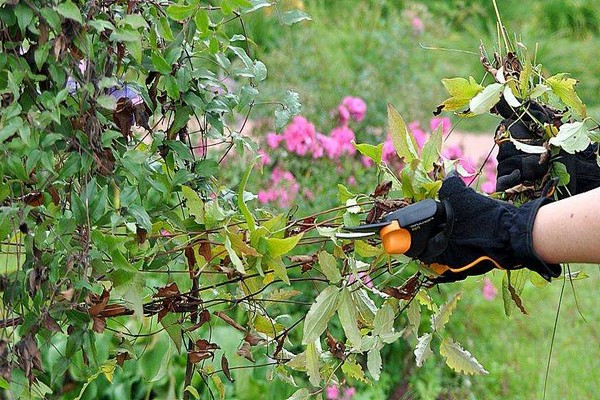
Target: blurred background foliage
x,y
372,49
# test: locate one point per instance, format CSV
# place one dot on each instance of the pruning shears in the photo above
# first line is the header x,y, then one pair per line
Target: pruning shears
x,y
408,230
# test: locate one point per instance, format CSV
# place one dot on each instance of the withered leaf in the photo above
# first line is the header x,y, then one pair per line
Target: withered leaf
x,y
382,189
122,356
205,251
280,343
34,199
29,357
99,324
141,235
115,310
169,290
50,324
225,367
253,339
229,320
191,259
54,194
203,317
336,347
406,291
197,356
97,303
245,351
205,345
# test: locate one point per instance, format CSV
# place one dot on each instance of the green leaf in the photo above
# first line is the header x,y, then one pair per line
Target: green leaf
x,y
414,317
374,363
461,90
193,391
160,64
373,152
3,383
347,314
384,321
171,86
202,21
423,349
141,216
513,283
560,171
404,143
440,318
68,9
278,267
459,359
107,102
313,364
320,313
353,370
365,306
291,106
173,327
279,247
572,137
240,199
564,88
484,101
180,12
329,267
193,203
235,260
294,16
432,149
300,394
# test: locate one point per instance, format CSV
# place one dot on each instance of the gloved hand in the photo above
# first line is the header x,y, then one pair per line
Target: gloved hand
x,y
517,167
483,234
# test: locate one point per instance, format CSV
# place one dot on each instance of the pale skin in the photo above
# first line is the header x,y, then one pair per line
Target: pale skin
x,y
569,230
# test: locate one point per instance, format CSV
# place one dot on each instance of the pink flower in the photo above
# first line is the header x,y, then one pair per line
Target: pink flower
x,y
264,157
452,152
344,114
489,187
351,180
417,25
299,136
308,194
344,137
332,392
419,135
273,140
364,277
366,161
468,170
489,290
357,108
349,393
389,152
444,121
283,188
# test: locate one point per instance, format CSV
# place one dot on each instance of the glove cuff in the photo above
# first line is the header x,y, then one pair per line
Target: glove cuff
x,y
521,239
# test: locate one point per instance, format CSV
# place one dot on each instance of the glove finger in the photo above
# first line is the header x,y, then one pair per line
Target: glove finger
x,y
451,186
506,182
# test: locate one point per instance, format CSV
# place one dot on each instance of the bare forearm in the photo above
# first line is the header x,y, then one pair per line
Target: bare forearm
x,y
569,230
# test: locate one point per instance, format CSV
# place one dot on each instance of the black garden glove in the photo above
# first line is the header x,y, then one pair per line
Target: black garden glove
x,y
516,167
483,234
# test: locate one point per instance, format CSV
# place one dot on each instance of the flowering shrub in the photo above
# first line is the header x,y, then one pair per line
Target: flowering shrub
x,y
301,139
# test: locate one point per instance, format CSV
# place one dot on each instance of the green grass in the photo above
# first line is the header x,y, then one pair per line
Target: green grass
x,y
515,350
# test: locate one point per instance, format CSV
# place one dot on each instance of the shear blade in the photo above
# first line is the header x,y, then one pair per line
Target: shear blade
x,y
354,235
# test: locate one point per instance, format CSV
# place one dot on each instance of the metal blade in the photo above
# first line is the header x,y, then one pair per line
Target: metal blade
x,y
354,235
